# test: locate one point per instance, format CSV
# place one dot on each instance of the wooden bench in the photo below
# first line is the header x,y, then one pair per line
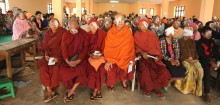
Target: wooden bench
x,y
9,49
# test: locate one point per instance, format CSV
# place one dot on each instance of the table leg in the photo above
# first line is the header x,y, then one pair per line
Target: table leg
x,y
34,53
8,64
22,57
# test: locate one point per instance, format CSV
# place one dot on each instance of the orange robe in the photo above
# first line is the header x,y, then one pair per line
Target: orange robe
x,y
119,50
49,75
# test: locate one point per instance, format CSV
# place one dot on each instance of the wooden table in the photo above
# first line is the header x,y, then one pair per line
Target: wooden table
x,y
9,49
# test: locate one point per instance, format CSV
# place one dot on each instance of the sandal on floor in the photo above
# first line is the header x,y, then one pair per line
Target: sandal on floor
x,y
92,98
49,97
159,94
99,95
111,88
68,99
126,88
208,98
147,94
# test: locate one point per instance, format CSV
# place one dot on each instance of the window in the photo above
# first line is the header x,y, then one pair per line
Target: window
x,y
74,10
49,8
2,6
152,11
67,10
143,11
180,11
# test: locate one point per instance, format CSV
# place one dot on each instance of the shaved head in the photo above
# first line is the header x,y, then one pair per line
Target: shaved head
x,y
73,23
119,21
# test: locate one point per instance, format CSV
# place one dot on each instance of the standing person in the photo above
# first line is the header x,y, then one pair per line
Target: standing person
x,y
74,49
49,74
96,60
119,52
157,27
39,21
153,74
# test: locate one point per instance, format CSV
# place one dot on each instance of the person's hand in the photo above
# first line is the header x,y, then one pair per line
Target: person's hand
x,y
177,62
190,61
108,66
74,63
144,54
214,65
46,57
55,60
172,61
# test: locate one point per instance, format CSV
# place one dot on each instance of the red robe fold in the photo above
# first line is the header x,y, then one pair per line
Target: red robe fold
x,y
49,75
152,75
71,45
96,43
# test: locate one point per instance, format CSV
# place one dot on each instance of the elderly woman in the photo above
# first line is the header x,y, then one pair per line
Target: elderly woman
x,y
20,26
170,49
192,83
153,74
49,73
96,59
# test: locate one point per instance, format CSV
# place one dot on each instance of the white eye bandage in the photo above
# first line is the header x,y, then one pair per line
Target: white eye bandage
x,y
145,24
118,20
169,31
157,19
187,32
208,33
56,23
95,25
74,31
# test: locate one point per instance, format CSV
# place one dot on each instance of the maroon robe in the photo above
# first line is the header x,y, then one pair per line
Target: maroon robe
x,y
96,43
71,45
152,75
49,75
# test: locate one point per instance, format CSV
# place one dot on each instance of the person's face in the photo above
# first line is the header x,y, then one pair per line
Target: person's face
x,y
176,25
32,19
21,16
54,24
10,13
208,34
108,24
93,27
119,21
157,21
38,16
74,25
195,29
143,27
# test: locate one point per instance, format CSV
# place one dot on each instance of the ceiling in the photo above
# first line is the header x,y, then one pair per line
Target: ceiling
x,y
123,1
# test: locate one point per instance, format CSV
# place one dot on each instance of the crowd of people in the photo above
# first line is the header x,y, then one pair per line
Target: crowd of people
x,y
104,49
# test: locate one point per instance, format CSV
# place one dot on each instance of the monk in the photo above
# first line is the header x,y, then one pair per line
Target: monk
x,y
49,74
96,59
153,74
119,52
74,49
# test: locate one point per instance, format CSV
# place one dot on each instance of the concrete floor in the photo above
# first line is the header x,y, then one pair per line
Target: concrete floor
x,y
32,95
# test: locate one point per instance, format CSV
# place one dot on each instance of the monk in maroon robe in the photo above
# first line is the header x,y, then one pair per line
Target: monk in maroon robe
x,y
74,49
96,59
153,74
52,49
119,53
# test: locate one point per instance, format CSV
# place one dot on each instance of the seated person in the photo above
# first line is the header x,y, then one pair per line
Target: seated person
x,y
208,56
74,49
49,74
96,59
153,74
192,83
170,49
